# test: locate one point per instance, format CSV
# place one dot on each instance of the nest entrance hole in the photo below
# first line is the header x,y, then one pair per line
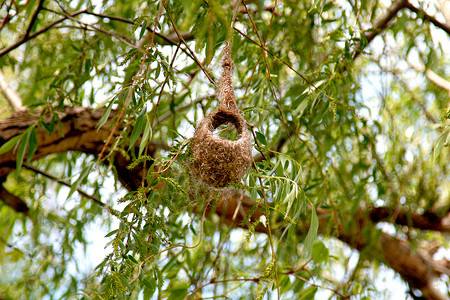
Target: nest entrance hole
x,y
226,125
217,161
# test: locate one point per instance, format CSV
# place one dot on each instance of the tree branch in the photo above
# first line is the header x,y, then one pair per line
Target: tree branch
x,y
11,95
13,201
24,39
445,9
66,183
431,19
382,23
426,221
433,77
33,19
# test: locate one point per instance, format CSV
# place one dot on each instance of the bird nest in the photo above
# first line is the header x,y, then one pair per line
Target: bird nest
x,y
217,161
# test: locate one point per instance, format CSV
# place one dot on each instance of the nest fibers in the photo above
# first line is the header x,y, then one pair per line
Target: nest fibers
x,y
217,161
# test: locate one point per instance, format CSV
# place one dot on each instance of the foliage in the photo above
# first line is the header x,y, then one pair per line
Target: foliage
x,y
341,124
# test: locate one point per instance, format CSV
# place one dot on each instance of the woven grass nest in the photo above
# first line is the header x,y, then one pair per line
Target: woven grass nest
x,y
217,161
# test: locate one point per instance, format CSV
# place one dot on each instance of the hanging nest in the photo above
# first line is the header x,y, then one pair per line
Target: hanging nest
x,y
217,161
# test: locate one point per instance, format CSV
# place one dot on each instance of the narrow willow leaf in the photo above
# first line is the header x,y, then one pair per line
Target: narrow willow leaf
x,y
291,196
84,173
301,108
112,233
149,287
105,116
10,144
320,252
146,136
143,29
32,144
440,142
312,233
22,148
261,138
138,127
309,293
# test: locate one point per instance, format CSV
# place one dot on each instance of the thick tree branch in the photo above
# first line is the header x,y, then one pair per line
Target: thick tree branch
x,y
417,269
77,132
426,221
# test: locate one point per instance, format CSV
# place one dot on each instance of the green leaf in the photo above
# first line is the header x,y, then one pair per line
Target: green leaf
x,y
179,290
291,196
146,136
138,127
112,233
309,293
312,233
261,138
32,144
10,144
105,115
149,287
49,127
143,29
301,107
22,148
132,258
320,252
84,173
440,143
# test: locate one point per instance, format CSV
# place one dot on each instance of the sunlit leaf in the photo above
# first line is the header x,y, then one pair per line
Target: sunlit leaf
x,y
10,144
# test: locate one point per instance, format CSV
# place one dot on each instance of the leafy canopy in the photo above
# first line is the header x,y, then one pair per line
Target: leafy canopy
x,y
346,133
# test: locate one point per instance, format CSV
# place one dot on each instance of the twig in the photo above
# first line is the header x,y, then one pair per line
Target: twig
x,y
37,33
270,76
8,17
163,85
319,286
2,240
213,281
432,76
121,38
173,159
33,19
269,230
174,246
205,71
278,58
66,183
130,93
